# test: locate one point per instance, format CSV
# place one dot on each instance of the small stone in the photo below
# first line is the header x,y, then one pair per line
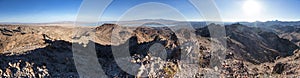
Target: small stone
x,y
1,72
278,68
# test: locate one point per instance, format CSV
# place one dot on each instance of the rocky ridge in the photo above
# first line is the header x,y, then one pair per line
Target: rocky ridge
x,y
47,51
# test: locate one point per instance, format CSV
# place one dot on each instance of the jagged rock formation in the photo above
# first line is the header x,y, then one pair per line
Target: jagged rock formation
x,y
48,51
56,55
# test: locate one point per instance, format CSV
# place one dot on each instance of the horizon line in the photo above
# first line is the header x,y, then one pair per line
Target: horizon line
x,y
56,22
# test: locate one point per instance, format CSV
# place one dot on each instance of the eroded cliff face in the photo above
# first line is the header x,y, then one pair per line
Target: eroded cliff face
x,y
48,51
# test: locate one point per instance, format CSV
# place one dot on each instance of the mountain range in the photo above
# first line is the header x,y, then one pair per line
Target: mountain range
x,y
157,51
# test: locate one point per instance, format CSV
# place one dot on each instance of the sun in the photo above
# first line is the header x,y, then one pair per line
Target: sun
x,y
251,7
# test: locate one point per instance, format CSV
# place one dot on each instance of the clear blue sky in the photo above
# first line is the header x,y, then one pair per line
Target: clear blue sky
x,y
39,11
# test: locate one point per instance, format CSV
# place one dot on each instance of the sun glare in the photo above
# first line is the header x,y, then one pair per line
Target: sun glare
x,y
251,7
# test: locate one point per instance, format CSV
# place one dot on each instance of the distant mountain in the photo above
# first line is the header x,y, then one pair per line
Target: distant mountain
x,y
160,20
144,21
271,23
